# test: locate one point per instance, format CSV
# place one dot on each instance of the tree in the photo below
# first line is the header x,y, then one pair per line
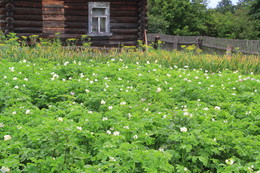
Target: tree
x,y
225,6
183,17
157,24
236,25
255,9
191,17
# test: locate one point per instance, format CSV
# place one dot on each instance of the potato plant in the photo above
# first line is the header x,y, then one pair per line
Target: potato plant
x,y
118,115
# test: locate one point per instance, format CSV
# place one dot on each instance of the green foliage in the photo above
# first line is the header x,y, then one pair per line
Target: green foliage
x,y
157,24
85,111
255,9
236,25
177,16
186,17
225,6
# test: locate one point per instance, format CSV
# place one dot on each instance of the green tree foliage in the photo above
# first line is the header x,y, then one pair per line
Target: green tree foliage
x,y
255,9
236,22
157,24
178,17
235,26
192,17
225,6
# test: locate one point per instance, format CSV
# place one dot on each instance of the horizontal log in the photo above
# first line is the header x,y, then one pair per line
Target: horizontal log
x,y
28,11
31,4
124,25
124,31
125,2
116,37
53,11
123,13
28,30
28,17
23,23
80,12
113,43
84,6
53,17
124,19
52,24
52,4
53,30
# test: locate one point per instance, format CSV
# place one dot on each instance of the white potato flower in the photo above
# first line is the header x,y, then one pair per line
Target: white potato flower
x,y
135,136
229,161
217,108
104,118
183,129
112,159
27,111
5,169
116,133
103,102
7,137
158,90
123,103
79,128
60,119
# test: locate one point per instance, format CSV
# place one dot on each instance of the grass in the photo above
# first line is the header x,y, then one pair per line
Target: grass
x,y
46,50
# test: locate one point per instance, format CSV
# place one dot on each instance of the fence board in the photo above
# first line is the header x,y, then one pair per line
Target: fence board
x,y
244,46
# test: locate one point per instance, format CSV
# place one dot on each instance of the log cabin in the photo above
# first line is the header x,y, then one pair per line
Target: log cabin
x,y
109,23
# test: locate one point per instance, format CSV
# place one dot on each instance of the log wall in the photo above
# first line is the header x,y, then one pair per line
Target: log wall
x,y
28,17
70,18
53,17
2,15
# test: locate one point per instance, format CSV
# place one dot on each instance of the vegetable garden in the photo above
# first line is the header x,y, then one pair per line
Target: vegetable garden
x,y
84,111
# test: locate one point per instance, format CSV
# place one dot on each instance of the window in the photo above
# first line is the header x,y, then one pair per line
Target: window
x,y
99,19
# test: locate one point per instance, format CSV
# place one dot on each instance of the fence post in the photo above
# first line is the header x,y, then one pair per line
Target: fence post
x,y
176,42
229,50
156,40
199,42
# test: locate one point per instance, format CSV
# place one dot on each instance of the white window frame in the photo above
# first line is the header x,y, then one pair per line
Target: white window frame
x,y
106,6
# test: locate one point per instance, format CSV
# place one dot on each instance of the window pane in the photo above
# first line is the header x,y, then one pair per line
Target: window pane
x,y
98,11
103,24
94,24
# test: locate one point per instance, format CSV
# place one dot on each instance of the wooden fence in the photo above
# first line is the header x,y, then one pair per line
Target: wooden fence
x,y
171,42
